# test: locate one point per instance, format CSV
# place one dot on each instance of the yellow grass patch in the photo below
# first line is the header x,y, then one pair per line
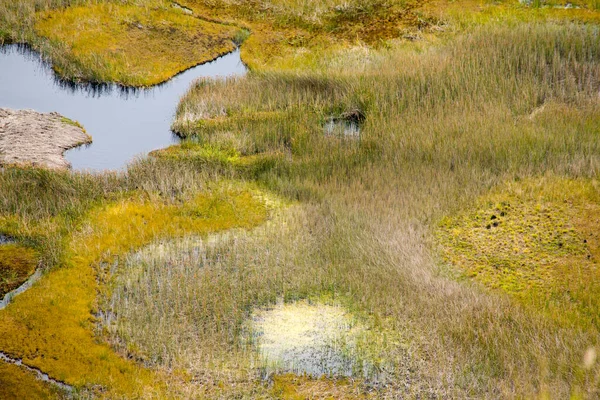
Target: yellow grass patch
x,y
219,157
536,240
468,13
51,326
132,45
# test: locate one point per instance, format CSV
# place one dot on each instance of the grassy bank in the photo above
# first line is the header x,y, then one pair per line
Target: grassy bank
x,y
134,43
131,44
144,42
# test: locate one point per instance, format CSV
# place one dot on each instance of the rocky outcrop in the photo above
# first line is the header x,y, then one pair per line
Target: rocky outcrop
x,y
36,139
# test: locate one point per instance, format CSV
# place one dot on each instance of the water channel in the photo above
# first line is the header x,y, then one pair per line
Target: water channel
x,y
123,122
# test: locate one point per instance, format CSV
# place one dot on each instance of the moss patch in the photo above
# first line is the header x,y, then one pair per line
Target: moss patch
x,y
132,45
469,13
17,263
536,240
51,326
292,35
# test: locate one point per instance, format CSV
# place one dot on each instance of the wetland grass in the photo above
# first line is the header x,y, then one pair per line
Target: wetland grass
x,y
17,263
444,124
440,129
132,45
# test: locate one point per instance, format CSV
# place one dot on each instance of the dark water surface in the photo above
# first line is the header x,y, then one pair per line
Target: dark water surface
x,y
123,122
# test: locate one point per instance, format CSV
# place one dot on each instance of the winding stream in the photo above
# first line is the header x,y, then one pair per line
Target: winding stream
x,y
123,122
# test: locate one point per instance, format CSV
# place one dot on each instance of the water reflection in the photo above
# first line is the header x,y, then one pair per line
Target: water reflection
x,y
124,122
5,239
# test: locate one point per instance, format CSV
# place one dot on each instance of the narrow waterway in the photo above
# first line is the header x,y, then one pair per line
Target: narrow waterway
x,y
124,123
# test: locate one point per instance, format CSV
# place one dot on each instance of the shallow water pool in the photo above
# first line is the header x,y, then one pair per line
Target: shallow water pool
x,y
124,123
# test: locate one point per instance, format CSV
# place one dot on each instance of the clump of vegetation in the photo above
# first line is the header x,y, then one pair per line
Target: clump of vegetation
x,y
71,122
221,158
17,263
132,45
291,34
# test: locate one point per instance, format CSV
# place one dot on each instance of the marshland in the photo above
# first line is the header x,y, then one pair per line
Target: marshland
x,y
398,199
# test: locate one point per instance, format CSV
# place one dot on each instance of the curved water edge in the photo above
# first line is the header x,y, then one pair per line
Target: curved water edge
x,y
124,122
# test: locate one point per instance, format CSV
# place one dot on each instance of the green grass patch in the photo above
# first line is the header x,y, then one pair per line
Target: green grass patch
x,y
71,122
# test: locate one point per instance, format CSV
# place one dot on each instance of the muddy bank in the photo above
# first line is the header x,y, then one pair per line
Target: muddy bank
x,y
31,138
